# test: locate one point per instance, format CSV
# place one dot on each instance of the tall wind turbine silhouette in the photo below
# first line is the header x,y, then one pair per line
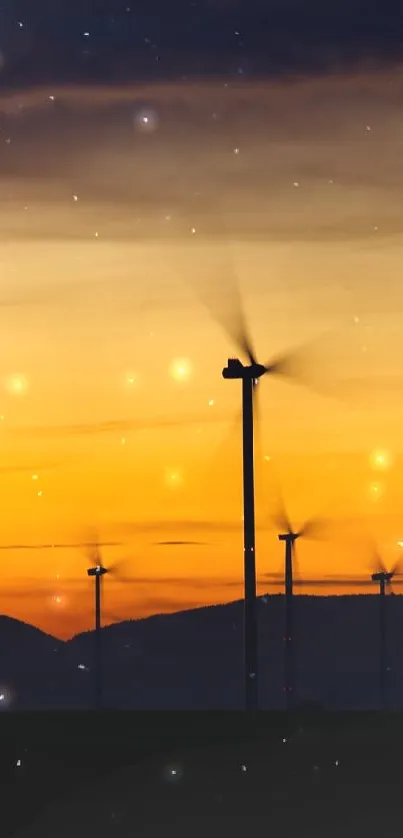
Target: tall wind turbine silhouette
x,y
289,366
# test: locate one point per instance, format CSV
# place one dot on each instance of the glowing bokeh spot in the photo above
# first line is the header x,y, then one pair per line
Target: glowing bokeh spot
x,y
181,369
173,478
16,384
146,121
380,459
58,601
131,380
173,773
5,698
376,490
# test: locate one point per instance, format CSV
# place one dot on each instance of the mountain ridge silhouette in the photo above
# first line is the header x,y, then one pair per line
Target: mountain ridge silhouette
x,y
194,659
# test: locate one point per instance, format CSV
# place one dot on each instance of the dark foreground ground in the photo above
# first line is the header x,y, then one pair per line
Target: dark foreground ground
x,y
178,773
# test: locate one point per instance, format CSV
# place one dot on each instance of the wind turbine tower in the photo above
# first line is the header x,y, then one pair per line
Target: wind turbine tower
x,y
291,366
249,376
97,572
384,579
289,681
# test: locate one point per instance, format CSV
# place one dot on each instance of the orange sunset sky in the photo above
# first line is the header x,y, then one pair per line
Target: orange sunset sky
x,y
114,413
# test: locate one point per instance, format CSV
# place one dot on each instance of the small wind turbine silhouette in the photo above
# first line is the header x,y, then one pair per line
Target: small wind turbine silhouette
x,y
97,571
384,578
311,529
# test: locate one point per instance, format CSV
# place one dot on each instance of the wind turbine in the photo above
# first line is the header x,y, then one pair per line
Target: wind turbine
x,y
381,576
384,578
288,366
289,536
97,571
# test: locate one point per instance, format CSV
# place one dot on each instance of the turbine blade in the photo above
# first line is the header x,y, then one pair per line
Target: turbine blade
x,y
397,582
121,578
280,517
397,569
299,362
282,523
295,563
221,296
376,563
314,528
91,547
315,364
241,337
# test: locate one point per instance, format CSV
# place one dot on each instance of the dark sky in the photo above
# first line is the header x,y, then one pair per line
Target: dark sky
x,y
60,40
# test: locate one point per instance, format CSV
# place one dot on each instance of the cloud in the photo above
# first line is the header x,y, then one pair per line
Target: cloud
x,y
116,426
198,583
177,526
181,543
59,545
322,162
22,469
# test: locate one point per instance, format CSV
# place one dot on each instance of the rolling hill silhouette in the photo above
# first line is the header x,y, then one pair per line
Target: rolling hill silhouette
x,y
194,659
31,664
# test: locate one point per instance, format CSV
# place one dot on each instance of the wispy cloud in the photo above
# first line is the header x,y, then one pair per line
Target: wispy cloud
x,y
28,469
59,545
117,426
176,527
181,543
318,128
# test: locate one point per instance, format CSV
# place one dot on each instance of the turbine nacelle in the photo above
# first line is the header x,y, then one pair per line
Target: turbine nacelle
x,y
382,576
289,536
236,369
98,570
